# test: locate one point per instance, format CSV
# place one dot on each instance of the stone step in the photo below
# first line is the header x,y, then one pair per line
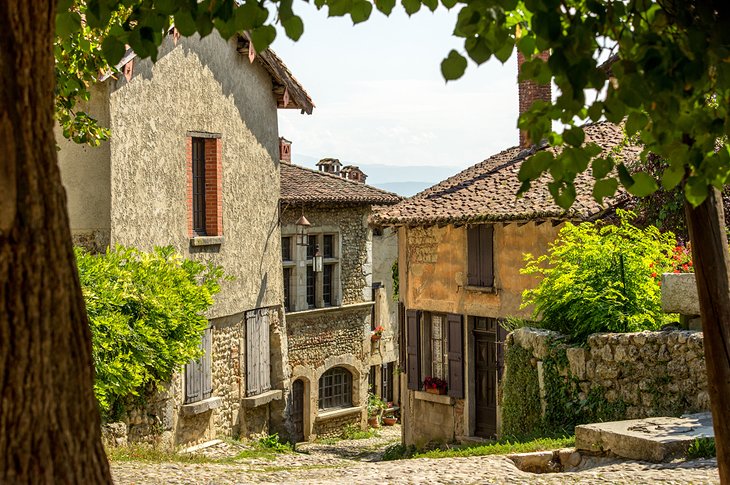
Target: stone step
x,y
651,439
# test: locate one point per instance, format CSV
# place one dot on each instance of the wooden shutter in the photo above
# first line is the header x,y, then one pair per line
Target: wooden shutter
x,y
486,251
456,355
258,367
206,364
412,343
472,237
198,375
262,322
402,337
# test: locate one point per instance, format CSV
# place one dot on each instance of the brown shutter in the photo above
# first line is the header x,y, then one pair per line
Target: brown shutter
x,y
402,356
472,238
412,346
456,356
486,270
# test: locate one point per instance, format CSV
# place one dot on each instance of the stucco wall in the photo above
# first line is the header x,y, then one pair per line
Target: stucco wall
x,y
200,85
86,176
385,253
433,269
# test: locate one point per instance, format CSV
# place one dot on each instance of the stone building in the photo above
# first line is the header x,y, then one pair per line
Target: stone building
x,y
193,162
337,275
461,246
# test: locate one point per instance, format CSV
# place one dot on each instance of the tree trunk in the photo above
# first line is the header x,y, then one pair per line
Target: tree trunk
x,y
49,421
706,224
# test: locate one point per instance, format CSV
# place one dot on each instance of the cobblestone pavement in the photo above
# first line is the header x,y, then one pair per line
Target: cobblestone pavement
x,y
355,462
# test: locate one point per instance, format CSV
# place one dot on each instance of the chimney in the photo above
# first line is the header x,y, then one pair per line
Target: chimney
x,y
329,165
530,91
284,150
353,172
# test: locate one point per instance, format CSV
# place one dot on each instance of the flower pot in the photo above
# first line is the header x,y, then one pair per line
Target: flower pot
x,y
374,337
434,390
389,421
373,422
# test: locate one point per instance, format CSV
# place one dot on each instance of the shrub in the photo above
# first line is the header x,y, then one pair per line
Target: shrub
x,y
702,448
600,277
146,316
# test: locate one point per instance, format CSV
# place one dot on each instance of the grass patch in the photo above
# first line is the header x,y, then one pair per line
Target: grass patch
x,y
702,448
351,432
500,447
150,454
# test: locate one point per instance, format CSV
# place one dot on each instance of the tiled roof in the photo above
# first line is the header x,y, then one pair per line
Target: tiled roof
x,y
303,185
486,191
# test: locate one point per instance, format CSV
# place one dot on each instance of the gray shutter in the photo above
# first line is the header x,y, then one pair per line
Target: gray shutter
x,y
265,367
206,363
472,237
456,353
486,239
253,386
412,342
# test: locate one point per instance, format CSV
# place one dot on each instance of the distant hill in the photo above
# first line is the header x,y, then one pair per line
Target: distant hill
x,y
406,189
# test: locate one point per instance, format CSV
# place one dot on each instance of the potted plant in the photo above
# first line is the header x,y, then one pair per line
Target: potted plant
x,y
377,333
375,409
434,385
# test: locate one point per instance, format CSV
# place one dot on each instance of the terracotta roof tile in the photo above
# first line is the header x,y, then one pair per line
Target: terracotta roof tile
x,y
303,185
486,191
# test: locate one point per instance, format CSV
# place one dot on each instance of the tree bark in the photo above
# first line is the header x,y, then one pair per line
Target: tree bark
x,y
706,224
49,421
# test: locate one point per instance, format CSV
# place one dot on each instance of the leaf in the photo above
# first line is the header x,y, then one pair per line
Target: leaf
x,y
595,111
361,11
431,4
601,167
624,176
411,6
636,122
453,66
113,50
449,4
604,188
478,49
644,184
385,6
523,188
294,27
672,176
67,23
505,51
339,8
534,166
695,190
184,23
574,136
262,37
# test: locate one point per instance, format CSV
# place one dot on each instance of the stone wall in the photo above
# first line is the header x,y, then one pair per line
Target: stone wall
x,y
333,427
635,375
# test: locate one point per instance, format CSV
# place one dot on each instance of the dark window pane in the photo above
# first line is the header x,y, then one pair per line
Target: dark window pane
x,y
198,170
327,284
287,289
286,248
310,287
329,242
311,246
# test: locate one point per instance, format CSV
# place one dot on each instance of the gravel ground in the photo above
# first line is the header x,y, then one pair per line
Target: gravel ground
x,y
357,462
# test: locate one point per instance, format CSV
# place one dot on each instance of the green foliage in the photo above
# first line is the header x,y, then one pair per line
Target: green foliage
x,y
600,278
375,404
396,275
498,447
354,432
146,316
520,393
271,442
702,448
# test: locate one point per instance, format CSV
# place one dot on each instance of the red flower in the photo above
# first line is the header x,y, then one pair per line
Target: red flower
x,y
653,275
676,271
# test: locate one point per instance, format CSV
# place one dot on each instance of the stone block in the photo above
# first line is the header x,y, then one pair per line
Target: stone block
x,y
202,406
679,294
535,462
261,399
577,361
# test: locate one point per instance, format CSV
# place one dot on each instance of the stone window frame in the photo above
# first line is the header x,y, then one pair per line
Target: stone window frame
x,y
213,186
338,382
300,263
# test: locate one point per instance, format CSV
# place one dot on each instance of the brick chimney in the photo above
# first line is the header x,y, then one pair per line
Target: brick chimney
x,y
530,91
284,150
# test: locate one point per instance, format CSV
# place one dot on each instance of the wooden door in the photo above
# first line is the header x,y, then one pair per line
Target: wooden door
x,y
485,385
297,410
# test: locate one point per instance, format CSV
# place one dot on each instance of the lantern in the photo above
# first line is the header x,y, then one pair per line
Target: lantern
x,y
303,226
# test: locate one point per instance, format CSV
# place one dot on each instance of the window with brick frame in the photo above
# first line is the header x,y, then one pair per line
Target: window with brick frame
x,y
205,184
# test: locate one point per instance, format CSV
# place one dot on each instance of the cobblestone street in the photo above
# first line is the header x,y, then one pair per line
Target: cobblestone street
x,y
356,462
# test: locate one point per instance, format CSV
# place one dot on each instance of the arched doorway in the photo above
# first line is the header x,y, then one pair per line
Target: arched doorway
x,y
297,410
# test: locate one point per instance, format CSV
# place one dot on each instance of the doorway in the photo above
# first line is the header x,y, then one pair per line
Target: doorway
x,y
297,410
485,383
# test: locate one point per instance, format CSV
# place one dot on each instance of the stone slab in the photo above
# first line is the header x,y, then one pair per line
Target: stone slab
x,y
261,399
650,439
202,406
679,294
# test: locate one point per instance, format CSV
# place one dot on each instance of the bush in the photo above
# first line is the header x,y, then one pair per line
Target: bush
x,y
146,316
702,448
600,278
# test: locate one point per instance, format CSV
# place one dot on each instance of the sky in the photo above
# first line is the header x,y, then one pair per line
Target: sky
x,y
382,104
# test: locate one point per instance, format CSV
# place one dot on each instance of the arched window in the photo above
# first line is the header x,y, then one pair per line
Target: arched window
x,y
335,389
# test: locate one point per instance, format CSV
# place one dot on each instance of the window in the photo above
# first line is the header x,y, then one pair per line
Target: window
x,y
386,374
311,246
258,369
480,241
199,186
311,286
205,189
287,289
335,389
198,376
286,248
327,271
372,379
434,347
328,250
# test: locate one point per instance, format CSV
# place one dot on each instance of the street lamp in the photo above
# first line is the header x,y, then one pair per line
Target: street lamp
x,y
303,226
